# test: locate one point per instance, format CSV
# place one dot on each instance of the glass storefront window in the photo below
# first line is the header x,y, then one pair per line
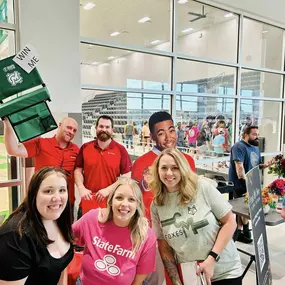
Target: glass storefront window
x,y
120,68
207,32
139,23
7,43
267,116
261,84
197,77
6,11
262,45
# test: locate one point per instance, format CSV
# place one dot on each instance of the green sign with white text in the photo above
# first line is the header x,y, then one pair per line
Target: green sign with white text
x,y
13,79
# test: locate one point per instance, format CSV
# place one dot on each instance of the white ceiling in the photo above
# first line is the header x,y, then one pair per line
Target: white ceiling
x,y
123,15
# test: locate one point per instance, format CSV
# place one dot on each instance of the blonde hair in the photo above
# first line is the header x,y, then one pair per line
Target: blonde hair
x,y
138,224
187,184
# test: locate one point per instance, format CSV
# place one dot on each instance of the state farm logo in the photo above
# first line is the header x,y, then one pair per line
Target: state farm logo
x,y
108,264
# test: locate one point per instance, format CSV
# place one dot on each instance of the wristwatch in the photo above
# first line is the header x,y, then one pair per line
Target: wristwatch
x,y
214,255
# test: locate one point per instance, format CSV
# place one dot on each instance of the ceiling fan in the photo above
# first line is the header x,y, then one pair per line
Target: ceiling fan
x,y
198,16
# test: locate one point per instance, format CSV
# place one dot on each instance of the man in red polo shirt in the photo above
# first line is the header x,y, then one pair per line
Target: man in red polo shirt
x,y
57,151
99,163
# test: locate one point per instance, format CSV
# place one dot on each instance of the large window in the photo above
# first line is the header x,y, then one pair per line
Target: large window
x,y
213,68
121,68
8,165
262,45
197,77
7,11
205,31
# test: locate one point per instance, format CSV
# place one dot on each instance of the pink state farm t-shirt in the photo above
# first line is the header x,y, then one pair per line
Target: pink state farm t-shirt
x,y
108,257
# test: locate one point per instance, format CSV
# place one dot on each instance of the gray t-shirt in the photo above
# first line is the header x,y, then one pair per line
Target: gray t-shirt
x,y
192,230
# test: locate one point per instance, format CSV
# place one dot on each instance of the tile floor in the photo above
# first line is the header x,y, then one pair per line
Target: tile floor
x,y
276,246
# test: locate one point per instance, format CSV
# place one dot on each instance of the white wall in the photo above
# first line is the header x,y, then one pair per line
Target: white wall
x,y
270,9
52,27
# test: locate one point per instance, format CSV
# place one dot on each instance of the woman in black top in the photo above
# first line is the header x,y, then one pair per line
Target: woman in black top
x,y
35,241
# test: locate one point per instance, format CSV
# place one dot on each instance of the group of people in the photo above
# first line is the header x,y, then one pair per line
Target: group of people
x,y
125,212
206,136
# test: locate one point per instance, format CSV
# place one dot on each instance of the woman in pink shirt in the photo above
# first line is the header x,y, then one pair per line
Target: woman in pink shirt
x,y
120,247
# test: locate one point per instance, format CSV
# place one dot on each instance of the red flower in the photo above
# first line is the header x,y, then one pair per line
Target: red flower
x,y
279,184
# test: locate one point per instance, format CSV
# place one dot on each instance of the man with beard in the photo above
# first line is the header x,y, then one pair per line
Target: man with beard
x,y
245,155
57,151
99,163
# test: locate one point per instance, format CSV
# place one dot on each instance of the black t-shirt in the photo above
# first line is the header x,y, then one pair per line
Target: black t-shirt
x,y
21,257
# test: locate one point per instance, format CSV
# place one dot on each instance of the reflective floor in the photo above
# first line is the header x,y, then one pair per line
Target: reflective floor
x,y
276,245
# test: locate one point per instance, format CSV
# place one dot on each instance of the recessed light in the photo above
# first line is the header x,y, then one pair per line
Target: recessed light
x,y
144,20
95,62
228,15
155,42
265,31
89,6
182,1
114,34
188,30
111,57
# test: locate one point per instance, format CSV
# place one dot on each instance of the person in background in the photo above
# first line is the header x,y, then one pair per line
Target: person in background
x,y
58,151
218,143
230,130
180,135
245,155
145,135
120,247
99,163
35,241
203,139
192,135
193,222
129,132
222,125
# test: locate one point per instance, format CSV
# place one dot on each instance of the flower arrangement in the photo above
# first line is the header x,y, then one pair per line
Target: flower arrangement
x,y
266,197
278,166
277,187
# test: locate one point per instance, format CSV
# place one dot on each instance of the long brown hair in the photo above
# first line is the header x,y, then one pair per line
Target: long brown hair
x,y
27,217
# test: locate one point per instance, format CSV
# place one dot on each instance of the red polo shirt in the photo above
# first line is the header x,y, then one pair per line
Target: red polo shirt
x,y
47,152
101,167
140,172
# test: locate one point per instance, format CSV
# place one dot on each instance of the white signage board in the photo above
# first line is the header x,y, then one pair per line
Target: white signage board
x,y
27,58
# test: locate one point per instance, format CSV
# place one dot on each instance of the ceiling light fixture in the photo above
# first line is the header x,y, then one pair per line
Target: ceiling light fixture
x,y
265,31
182,1
155,42
188,30
111,57
114,34
144,20
228,15
89,6
95,63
